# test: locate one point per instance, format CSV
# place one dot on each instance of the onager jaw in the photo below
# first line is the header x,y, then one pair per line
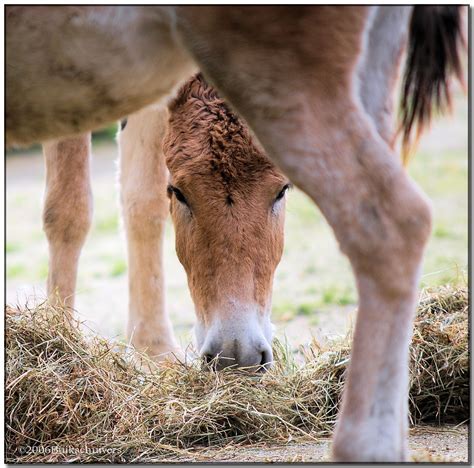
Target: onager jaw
x,y
240,340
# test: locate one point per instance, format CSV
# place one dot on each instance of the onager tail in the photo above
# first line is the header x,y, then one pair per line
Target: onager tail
x,y
435,42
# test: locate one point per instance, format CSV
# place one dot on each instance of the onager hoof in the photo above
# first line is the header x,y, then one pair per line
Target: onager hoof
x,y
371,448
166,354
158,348
157,359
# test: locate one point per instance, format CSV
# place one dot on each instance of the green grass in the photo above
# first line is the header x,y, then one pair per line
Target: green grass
x,y
442,232
118,268
107,224
11,247
34,271
42,271
306,309
284,311
16,270
337,295
105,135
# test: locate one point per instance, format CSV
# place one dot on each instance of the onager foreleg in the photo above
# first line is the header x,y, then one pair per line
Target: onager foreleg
x,y
145,206
306,110
382,222
67,212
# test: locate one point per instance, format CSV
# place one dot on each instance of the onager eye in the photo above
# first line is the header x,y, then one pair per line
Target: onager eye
x,y
282,192
178,194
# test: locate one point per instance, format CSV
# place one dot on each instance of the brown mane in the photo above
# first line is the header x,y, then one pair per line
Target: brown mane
x,y
216,134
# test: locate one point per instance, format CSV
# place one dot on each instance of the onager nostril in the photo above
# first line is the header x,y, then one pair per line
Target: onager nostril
x,y
208,358
266,360
235,353
209,361
209,354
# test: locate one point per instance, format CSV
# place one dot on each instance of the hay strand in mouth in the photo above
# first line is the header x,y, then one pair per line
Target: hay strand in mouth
x,y
75,398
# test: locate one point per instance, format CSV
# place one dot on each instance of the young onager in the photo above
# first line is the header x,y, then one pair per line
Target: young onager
x,y
314,84
227,205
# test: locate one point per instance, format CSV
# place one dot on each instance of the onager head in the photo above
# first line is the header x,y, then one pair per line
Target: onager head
x,y
228,209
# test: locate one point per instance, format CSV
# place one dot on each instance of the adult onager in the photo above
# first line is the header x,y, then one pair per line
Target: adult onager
x,y
227,205
314,83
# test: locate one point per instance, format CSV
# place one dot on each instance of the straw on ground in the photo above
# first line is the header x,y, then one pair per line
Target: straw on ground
x,y
81,394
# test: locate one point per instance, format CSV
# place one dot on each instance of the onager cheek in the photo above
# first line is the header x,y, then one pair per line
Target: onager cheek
x,y
184,239
202,274
267,257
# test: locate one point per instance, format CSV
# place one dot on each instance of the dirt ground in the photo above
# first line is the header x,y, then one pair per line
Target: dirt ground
x,y
427,444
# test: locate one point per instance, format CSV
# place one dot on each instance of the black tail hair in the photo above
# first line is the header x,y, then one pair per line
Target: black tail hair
x,y
435,42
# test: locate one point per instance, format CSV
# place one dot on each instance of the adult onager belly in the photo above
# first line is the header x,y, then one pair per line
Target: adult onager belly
x,y
315,86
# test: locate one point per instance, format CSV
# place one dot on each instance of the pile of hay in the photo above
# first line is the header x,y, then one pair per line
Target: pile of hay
x,y
72,398
439,391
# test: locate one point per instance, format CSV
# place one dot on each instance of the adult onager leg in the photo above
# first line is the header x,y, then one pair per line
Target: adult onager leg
x,y
67,212
145,206
308,114
379,67
67,219
378,71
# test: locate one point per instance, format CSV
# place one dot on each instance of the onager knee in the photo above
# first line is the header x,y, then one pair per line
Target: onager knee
x,y
389,235
66,222
143,173
144,214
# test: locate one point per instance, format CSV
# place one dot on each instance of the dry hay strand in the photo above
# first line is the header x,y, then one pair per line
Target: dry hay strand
x,y
76,398
439,390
